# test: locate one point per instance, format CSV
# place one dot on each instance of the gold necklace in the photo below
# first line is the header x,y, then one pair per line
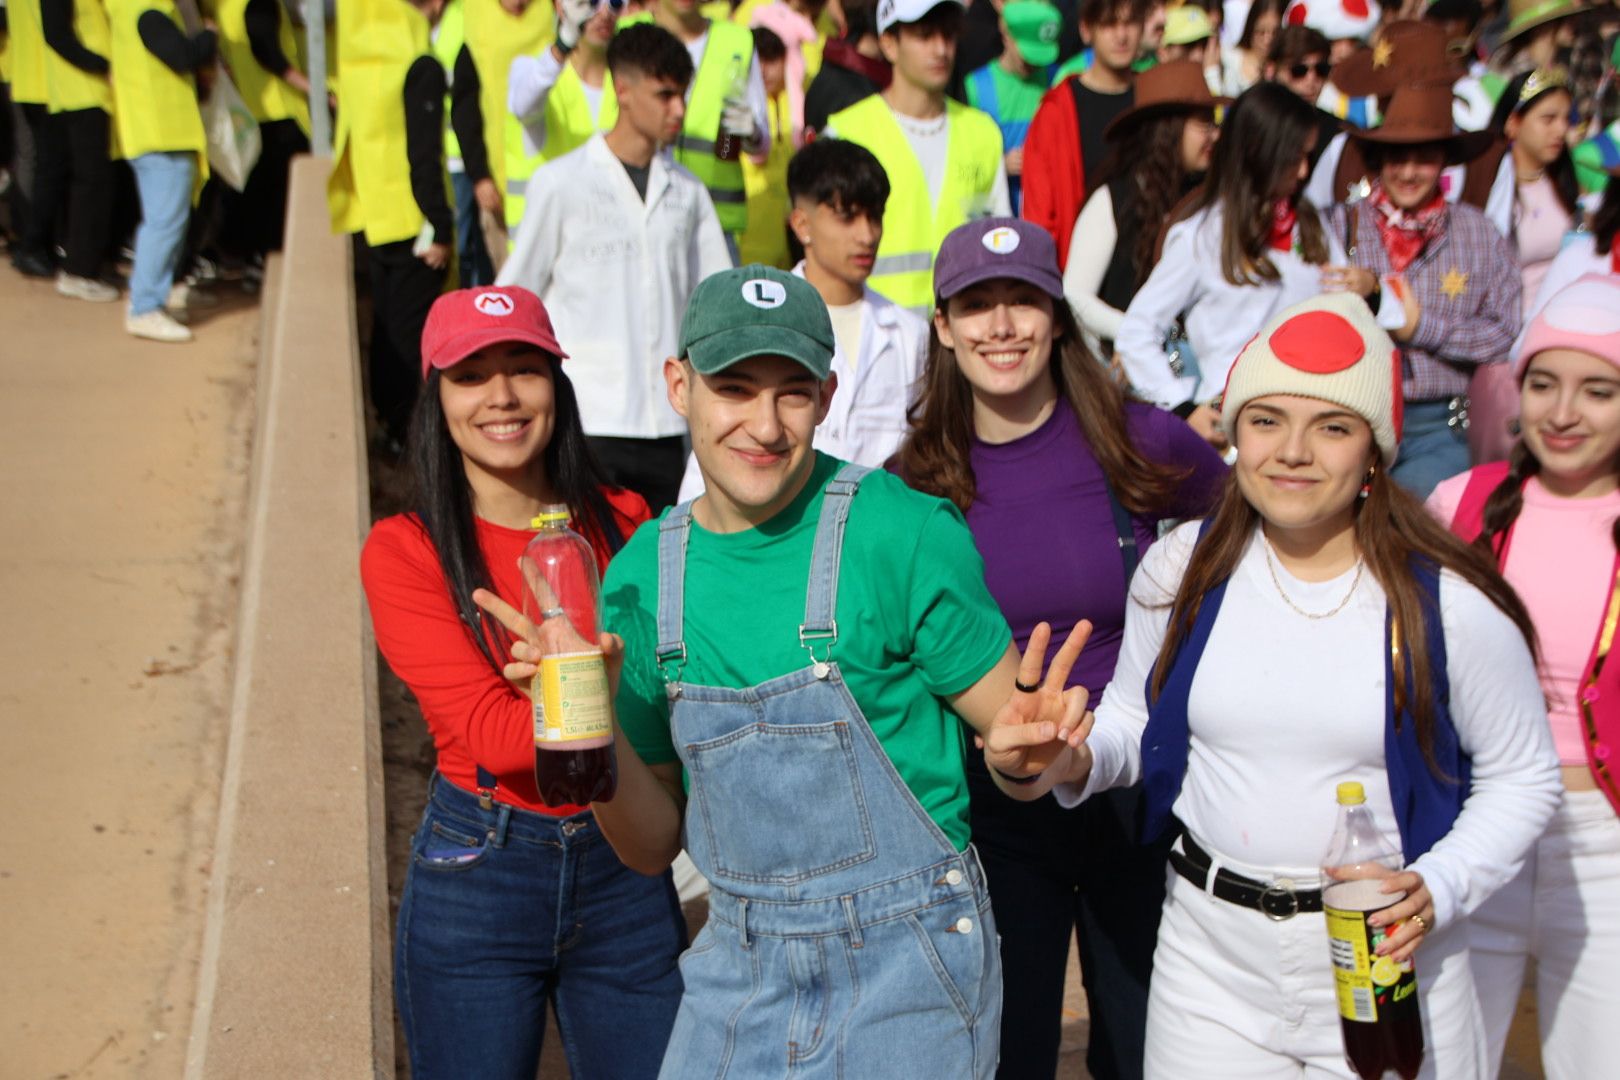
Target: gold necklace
x,y
1270,565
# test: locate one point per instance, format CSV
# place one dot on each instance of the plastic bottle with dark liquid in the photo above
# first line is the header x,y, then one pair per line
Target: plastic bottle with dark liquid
x,y
1378,1001
727,146
573,717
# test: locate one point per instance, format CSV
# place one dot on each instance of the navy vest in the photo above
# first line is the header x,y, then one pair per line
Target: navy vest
x,y
1426,803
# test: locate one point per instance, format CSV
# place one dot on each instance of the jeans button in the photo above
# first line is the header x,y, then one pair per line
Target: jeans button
x,y
964,925
953,877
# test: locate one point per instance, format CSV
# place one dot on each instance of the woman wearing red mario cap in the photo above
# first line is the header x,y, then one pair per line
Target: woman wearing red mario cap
x,y
1318,627
1550,515
508,903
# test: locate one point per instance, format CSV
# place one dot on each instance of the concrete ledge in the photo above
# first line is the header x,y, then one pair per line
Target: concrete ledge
x,y
295,974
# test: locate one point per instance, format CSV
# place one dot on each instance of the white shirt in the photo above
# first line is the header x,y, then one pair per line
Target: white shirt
x,y
867,420
1283,708
615,273
1220,317
1091,249
1578,258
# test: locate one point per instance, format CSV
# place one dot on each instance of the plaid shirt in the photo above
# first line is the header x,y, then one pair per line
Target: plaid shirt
x,y
1468,290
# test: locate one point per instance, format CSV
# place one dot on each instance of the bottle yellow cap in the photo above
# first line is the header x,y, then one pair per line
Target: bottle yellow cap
x,y
548,517
1351,794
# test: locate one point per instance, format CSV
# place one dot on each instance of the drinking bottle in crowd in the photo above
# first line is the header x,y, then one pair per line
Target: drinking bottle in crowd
x,y
1378,1005
573,719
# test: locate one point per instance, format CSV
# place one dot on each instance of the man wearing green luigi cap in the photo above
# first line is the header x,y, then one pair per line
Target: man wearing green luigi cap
x,y
1010,87
798,644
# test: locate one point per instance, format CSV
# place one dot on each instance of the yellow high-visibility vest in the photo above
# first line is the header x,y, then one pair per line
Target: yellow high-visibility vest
x,y
568,125
495,39
370,186
67,88
913,224
448,38
765,239
265,94
27,37
729,47
155,107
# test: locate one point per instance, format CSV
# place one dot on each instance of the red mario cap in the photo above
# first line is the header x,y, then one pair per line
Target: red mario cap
x,y
462,322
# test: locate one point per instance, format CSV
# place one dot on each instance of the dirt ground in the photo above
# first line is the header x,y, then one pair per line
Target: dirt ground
x,y
122,502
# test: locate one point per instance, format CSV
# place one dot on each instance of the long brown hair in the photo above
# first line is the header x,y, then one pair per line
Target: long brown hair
x,y
935,457
1262,140
1507,499
1148,159
1391,528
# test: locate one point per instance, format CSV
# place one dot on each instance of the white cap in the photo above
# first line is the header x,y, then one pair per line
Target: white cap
x,y
891,12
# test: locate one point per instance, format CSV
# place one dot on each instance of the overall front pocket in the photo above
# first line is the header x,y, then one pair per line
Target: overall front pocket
x,y
781,803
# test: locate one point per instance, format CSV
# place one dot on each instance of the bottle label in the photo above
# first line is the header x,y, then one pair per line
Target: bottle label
x,y
570,695
1366,983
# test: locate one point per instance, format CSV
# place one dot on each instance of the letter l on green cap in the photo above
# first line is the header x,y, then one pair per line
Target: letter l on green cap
x,y
756,311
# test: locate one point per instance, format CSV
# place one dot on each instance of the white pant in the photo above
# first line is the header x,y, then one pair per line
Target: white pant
x,y
1235,995
1563,908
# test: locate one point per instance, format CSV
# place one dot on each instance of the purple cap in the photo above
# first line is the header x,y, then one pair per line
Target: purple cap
x,y
997,247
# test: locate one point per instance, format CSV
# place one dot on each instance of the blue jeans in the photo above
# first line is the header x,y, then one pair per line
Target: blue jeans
x,y
1433,448
164,181
504,910
471,256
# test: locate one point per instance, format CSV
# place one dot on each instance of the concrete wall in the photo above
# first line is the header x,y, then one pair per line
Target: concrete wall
x,y
296,965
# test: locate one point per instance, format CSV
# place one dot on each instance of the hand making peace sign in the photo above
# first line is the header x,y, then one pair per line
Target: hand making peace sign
x,y
1043,718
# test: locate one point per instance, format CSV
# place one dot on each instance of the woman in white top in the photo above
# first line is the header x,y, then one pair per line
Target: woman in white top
x,y
1321,627
1246,246
1592,251
1243,64
1158,149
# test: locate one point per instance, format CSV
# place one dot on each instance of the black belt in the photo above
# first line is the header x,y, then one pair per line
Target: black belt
x,y
1278,900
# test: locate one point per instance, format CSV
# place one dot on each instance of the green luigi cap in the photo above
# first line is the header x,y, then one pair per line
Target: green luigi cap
x,y
1034,26
756,311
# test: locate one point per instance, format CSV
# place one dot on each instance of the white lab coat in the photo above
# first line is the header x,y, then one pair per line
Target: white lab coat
x,y
615,274
867,421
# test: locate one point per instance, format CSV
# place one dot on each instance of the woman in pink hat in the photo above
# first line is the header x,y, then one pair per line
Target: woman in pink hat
x,y
1550,516
1318,627
509,903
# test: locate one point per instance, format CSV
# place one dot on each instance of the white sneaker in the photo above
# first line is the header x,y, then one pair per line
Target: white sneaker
x,y
83,288
156,325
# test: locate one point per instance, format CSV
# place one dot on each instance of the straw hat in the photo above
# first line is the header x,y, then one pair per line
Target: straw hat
x,y
1174,86
1420,114
1528,14
1404,51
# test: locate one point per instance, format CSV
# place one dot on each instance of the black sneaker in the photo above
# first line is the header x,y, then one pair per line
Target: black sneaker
x,y
32,264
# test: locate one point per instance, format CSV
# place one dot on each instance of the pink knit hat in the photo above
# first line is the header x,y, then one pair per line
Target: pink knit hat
x,y
1584,315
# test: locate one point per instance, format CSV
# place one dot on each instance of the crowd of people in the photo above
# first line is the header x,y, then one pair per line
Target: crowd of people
x,y
1034,451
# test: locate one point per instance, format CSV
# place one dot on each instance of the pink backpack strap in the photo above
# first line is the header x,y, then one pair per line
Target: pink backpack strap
x,y
1469,520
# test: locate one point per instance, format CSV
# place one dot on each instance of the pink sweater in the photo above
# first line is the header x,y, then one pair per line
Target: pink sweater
x,y
1560,562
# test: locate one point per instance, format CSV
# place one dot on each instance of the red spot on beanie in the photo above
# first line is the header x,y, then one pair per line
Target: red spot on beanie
x,y
1297,15
1356,9
1318,342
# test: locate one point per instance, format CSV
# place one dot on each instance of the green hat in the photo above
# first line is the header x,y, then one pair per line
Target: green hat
x,y
1528,14
756,311
1034,26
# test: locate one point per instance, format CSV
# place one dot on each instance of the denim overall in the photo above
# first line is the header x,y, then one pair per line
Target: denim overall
x,y
847,937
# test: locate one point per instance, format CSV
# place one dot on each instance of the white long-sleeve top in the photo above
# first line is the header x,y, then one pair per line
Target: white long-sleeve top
x,y
1091,249
615,274
867,420
1220,317
1284,707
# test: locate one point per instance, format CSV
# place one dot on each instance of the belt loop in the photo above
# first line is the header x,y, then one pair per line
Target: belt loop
x,y
498,829
855,941
1211,874
742,921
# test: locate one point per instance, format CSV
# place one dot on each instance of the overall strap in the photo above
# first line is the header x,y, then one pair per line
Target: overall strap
x,y
821,599
1130,554
673,533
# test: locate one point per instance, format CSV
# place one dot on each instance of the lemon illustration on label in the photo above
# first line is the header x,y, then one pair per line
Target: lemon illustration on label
x,y
1386,972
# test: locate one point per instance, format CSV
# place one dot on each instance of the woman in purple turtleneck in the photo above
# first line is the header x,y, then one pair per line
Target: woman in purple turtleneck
x,y
1063,482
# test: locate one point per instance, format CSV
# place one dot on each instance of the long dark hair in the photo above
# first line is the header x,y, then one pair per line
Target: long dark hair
x,y
1606,221
935,457
1252,22
1262,140
442,499
1148,158
1391,529
1507,499
1562,171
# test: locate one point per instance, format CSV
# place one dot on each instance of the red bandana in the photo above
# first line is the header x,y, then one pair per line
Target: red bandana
x,y
1282,225
1406,232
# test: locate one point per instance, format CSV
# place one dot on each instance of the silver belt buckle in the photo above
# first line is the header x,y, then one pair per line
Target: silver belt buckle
x,y
1283,892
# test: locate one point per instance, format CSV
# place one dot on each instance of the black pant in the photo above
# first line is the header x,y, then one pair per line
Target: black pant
x,y
1053,873
256,219
403,288
73,168
652,468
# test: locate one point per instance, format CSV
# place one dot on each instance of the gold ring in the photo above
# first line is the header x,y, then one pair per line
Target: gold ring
x,y
1423,924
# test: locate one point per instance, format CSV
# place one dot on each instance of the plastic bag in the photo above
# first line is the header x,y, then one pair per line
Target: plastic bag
x,y
233,134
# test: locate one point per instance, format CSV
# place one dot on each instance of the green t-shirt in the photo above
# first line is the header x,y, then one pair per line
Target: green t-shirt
x,y
1015,97
915,623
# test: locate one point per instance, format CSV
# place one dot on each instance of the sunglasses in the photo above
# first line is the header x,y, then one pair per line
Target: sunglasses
x,y
1321,67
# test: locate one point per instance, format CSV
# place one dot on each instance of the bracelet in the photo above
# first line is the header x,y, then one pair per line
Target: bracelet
x,y
1020,780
